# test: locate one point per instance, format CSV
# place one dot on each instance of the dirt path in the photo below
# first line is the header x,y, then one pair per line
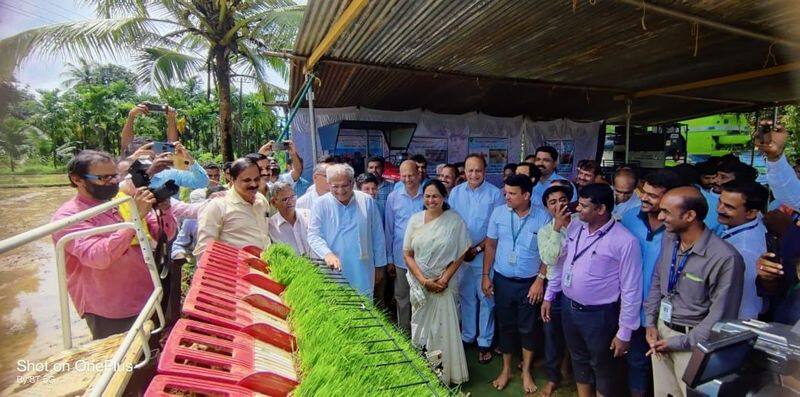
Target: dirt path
x,y
30,325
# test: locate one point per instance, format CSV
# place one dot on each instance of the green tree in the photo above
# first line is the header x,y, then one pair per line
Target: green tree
x,y
180,39
14,139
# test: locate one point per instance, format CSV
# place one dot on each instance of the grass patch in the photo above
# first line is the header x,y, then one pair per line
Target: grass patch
x,y
32,169
335,358
34,180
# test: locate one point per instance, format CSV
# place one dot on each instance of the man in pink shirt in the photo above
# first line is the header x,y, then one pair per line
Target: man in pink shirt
x,y
107,277
599,273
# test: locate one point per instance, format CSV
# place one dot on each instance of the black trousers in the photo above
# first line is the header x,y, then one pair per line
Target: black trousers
x,y
588,331
102,327
518,321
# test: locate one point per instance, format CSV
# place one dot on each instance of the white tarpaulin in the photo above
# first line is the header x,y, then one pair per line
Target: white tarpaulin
x,y
579,139
455,128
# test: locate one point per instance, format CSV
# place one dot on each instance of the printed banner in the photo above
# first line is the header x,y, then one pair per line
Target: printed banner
x,y
566,154
494,150
434,150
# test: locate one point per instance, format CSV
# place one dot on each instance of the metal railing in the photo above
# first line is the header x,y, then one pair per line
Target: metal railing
x,y
152,305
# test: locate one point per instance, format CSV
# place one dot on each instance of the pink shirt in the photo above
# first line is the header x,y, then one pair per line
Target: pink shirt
x,y
106,275
606,267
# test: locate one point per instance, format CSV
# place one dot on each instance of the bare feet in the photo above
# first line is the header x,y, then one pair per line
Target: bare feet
x,y
502,380
548,389
528,384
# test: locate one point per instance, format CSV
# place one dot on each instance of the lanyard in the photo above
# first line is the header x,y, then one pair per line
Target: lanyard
x,y
577,255
515,234
744,229
675,274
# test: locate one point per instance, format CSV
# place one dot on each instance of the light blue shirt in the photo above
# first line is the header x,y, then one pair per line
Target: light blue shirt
x,y
475,207
712,222
399,208
354,233
750,240
384,189
300,186
539,188
503,225
783,182
400,185
633,204
650,245
194,177
186,239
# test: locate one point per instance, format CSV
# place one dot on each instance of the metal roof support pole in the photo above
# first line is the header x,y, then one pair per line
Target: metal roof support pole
x,y
312,120
627,128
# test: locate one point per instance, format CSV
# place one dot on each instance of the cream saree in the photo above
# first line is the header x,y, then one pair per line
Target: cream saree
x,y
434,317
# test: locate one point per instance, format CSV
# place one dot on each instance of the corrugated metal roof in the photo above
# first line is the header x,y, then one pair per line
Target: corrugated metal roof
x,y
526,52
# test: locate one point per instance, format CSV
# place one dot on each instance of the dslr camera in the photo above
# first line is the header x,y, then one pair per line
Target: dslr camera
x,y
140,178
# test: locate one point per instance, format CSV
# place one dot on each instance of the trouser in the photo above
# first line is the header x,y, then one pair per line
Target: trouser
x,y
640,369
517,319
401,295
477,310
379,295
668,368
554,342
171,301
588,331
103,327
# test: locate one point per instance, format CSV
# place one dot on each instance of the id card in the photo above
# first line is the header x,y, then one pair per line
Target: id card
x,y
512,257
567,279
665,311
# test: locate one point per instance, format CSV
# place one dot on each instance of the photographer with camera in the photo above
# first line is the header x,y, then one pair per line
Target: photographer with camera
x,y
107,277
180,165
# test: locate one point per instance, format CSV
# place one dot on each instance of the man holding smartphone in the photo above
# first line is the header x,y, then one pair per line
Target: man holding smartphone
x,y
290,177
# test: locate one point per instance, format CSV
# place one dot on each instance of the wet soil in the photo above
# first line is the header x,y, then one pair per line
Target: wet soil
x,y
30,324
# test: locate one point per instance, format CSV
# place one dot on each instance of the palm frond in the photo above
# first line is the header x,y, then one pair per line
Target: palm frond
x,y
162,67
85,39
253,66
111,8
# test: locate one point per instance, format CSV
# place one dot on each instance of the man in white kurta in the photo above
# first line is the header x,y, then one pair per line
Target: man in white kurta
x,y
346,230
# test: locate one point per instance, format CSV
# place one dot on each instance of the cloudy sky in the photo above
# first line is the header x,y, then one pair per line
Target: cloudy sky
x,y
44,72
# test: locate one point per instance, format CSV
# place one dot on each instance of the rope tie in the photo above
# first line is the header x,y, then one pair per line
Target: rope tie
x,y
644,14
696,35
771,55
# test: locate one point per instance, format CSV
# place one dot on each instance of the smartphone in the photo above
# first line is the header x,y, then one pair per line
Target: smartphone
x,y
572,207
163,147
154,107
763,129
774,246
278,146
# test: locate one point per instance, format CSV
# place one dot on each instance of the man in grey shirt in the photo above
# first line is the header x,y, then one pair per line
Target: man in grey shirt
x,y
697,282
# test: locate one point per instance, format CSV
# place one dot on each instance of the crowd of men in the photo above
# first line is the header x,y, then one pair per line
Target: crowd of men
x,y
621,273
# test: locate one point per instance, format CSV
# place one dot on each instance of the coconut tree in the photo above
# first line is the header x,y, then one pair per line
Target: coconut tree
x,y
15,138
173,40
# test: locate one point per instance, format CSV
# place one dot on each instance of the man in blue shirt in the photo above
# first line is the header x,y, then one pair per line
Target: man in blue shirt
x,y
400,205
422,168
518,284
375,166
474,201
625,182
546,159
649,230
740,206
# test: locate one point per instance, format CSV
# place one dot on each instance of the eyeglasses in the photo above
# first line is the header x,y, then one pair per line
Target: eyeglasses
x,y
288,199
102,178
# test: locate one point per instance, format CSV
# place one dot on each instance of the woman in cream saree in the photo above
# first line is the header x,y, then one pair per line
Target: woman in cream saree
x,y
434,246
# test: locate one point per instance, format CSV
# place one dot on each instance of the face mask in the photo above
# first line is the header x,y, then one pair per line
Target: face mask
x,y
102,192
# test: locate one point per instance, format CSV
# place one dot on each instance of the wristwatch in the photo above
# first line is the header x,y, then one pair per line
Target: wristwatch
x,y
541,276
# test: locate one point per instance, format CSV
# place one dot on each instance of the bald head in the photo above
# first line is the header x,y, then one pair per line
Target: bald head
x,y
683,207
409,175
